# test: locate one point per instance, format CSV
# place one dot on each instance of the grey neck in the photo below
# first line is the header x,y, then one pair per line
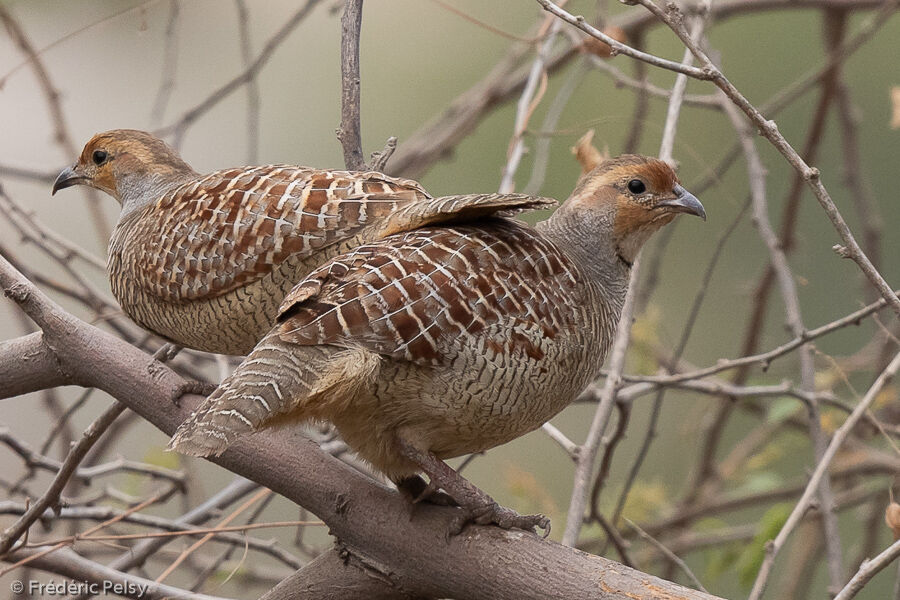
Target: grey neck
x,y
139,189
587,238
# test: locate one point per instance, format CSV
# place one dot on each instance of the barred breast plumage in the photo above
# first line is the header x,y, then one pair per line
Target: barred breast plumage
x,y
204,261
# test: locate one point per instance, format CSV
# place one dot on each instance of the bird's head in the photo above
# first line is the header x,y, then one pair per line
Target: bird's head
x,y
630,197
124,163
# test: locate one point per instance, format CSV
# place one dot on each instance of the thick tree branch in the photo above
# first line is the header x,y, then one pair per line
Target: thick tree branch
x,y
316,581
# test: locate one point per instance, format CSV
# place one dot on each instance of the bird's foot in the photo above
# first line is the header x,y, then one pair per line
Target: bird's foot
x,y
505,518
477,507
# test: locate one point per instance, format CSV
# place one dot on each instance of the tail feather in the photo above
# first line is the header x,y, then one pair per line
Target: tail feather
x,y
461,208
276,379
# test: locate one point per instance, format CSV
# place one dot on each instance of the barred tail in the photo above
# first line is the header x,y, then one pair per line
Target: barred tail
x,y
275,379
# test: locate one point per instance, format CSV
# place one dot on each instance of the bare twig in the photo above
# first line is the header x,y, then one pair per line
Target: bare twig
x,y
587,452
179,127
528,101
57,117
812,487
868,570
51,496
668,554
253,100
169,65
349,131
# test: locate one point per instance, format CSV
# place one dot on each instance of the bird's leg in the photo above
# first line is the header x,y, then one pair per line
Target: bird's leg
x,y
477,506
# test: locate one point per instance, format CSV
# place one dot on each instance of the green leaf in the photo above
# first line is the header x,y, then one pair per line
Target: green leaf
x,y
751,558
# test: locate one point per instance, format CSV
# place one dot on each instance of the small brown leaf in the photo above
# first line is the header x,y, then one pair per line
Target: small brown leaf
x,y
587,154
602,49
892,518
895,100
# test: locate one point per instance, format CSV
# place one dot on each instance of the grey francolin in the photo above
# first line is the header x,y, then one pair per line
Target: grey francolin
x,y
205,260
443,341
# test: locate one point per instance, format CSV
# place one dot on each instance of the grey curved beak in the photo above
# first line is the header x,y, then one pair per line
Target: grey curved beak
x,y
67,178
685,202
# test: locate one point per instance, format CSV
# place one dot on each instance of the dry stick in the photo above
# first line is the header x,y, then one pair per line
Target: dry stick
x,y
868,570
439,136
764,357
504,34
61,131
587,453
812,487
25,173
207,532
757,175
50,549
349,133
630,392
39,461
62,425
897,584
667,144
570,447
768,128
789,219
705,473
179,127
642,100
379,159
867,209
169,65
643,86
68,467
104,513
214,566
262,493
532,93
31,228
551,119
618,47
668,554
137,555
678,88
67,563
252,85
750,500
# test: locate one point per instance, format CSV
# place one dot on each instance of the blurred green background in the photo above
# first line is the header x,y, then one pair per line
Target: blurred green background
x,y
416,57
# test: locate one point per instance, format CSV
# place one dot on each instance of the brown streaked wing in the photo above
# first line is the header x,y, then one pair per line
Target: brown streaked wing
x,y
416,295
224,230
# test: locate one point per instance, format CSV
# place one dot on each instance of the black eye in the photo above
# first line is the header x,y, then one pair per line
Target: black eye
x,y
99,157
636,186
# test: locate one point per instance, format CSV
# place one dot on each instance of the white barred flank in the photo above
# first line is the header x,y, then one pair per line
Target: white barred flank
x,y
276,380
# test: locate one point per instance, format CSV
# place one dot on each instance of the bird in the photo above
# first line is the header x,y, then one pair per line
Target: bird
x,y
204,261
452,339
